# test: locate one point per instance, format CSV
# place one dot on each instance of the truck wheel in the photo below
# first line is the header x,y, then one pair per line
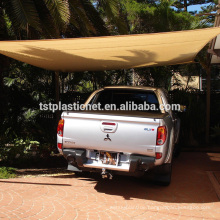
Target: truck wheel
x,y
163,174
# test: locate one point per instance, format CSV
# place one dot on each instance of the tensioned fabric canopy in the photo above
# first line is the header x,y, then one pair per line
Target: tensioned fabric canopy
x,y
112,52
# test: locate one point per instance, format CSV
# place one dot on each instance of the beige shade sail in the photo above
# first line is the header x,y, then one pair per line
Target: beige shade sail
x,y
113,52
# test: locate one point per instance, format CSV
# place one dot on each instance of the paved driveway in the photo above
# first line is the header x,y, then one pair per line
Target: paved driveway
x,y
193,194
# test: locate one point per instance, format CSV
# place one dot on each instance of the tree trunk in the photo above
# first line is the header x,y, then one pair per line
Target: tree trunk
x,y
185,5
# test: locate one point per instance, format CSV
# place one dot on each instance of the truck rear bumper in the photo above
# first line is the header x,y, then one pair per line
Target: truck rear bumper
x,y
78,161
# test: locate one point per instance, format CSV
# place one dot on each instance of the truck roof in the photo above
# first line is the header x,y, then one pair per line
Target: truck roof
x,y
131,87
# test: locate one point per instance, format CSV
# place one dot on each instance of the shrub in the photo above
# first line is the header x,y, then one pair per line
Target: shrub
x,y
7,172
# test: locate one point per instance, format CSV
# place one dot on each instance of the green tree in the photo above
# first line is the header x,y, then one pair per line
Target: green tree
x,y
37,19
183,4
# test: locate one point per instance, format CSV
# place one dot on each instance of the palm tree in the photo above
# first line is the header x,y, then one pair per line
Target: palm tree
x,y
36,19
52,18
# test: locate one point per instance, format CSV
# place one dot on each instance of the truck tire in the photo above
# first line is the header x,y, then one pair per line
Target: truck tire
x,y
162,174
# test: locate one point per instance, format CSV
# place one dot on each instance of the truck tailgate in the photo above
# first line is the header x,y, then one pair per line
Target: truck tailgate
x,y
111,131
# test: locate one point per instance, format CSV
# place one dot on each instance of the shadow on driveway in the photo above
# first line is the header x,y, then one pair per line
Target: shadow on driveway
x,y
190,182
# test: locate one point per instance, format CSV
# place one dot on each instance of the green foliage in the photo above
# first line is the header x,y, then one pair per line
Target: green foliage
x,y
31,19
59,11
25,87
23,13
110,11
139,16
155,76
211,7
90,81
7,172
21,153
16,150
183,4
84,86
143,17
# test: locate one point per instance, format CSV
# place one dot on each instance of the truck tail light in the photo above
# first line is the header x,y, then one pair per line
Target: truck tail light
x,y
60,127
60,146
158,155
161,135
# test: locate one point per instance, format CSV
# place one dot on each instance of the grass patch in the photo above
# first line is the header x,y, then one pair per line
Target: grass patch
x,y
7,172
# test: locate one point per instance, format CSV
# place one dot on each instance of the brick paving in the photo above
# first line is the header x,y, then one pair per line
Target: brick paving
x,y
191,195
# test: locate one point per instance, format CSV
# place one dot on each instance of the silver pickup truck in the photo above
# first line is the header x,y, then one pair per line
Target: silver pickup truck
x,y
133,136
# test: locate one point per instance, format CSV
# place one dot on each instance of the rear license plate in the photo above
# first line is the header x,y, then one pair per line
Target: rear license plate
x,y
108,158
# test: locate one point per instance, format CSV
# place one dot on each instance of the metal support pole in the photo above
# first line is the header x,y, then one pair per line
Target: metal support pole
x,y
208,96
57,94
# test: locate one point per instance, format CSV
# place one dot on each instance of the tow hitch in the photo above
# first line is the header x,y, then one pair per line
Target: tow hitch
x,y
105,174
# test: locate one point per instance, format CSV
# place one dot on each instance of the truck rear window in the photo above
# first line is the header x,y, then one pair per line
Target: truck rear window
x,y
126,97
